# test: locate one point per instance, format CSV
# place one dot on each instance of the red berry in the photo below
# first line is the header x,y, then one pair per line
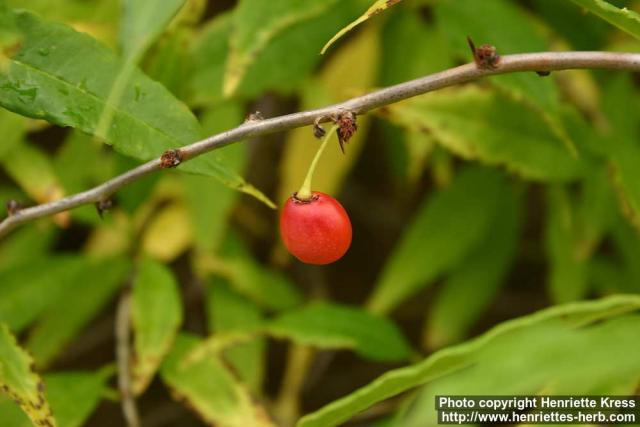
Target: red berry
x,y
317,231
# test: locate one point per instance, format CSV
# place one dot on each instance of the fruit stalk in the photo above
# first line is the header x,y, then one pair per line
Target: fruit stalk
x,y
305,193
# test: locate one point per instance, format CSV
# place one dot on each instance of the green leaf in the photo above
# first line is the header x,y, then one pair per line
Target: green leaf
x,y
464,121
95,166
516,33
12,415
255,23
142,22
268,288
86,293
469,289
445,228
609,276
621,143
28,289
595,210
33,171
10,38
210,389
24,246
156,315
170,64
209,202
328,325
275,68
73,396
96,17
208,52
18,380
66,78
550,358
409,151
405,27
568,268
229,312
14,128
625,19
496,348
627,247
564,17
377,7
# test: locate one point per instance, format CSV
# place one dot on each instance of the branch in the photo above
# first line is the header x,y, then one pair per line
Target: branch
x,y
123,356
533,62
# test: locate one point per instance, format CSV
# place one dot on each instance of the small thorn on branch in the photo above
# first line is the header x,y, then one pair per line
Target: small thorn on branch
x,y
103,205
170,159
485,56
254,117
13,207
543,73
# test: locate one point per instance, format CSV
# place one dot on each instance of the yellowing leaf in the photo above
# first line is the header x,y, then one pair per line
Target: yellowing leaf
x,y
463,121
376,8
110,237
31,169
210,389
169,234
73,396
19,381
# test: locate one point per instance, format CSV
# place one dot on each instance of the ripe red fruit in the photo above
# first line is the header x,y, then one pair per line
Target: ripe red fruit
x,y
317,231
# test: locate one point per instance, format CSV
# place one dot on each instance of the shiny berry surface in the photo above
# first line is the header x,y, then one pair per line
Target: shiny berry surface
x,y
317,231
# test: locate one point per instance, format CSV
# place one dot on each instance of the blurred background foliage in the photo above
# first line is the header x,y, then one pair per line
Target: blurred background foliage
x,y
471,206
